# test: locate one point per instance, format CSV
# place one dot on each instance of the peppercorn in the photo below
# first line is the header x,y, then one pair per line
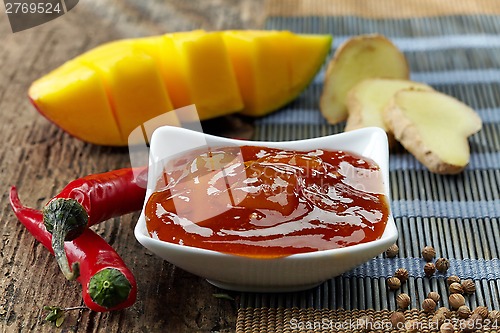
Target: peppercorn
x,y
494,317
402,274
397,318
456,288
482,311
464,312
392,251
429,269
447,328
393,283
442,264
428,253
456,301
403,301
428,305
452,279
434,296
468,286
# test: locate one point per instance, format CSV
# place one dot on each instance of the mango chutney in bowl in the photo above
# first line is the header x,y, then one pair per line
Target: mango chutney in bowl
x,y
267,216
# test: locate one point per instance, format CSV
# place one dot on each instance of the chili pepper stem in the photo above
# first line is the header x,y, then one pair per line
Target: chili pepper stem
x,y
65,219
60,254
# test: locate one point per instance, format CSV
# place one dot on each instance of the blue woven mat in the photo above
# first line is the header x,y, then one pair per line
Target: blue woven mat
x,y
458,215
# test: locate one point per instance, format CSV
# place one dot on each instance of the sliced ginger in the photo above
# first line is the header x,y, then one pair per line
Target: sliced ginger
x,y
434,127
367,99
359,58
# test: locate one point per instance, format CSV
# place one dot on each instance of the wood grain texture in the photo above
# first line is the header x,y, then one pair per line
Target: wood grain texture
x,y
40,159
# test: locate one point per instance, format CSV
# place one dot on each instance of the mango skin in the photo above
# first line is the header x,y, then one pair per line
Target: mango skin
x,y
104,94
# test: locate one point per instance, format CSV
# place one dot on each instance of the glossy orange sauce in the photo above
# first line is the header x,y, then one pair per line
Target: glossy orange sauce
x,y
263,202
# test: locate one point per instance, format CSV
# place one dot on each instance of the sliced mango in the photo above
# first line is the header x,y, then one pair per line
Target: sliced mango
x,y
74,97
207,70
134,84
273,67
106,93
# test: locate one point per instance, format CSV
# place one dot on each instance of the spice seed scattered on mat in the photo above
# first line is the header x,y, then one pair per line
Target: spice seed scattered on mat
x,y
476,317
403,301
456,301
447,328
456,288
482,311
412,326
402,274
434,296
452,279
397,318
468,286
428,253
428,305
445,312
442,264
429,269
393,283
438,319
494,317
464,312
392,251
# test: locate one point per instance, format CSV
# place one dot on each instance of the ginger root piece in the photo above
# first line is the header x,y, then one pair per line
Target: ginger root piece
x,y
367,99
359,58
434,127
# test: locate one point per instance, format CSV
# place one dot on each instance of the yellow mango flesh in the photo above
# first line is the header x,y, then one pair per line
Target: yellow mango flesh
x,y
134,84
207,71
106,93
273,67
74,97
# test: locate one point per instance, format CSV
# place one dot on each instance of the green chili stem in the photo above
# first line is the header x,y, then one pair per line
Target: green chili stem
x,y
60,254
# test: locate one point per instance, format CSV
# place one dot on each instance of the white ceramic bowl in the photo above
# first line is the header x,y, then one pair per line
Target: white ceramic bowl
x,y
292,273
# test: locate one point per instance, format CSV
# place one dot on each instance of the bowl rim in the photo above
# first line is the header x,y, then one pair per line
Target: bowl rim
x,y
390,233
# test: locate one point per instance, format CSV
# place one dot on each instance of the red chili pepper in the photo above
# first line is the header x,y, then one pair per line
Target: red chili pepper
x,y
107,283
89,200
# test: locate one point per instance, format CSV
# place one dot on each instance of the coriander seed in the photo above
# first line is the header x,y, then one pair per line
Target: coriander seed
x,y
438,319
464,312
494,317
428,305
428,253
442,264
456,301
412,326
392,251
468,286
452,279
445,312
447,328
393,283
482,311
403,301
397,318
476,317
434,296
429,269
402,274
456,288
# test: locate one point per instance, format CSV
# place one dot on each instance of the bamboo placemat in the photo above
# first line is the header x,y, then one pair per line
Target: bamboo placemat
x,y
455,47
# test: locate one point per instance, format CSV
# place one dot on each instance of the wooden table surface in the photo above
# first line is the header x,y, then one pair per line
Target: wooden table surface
x,y
40,159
